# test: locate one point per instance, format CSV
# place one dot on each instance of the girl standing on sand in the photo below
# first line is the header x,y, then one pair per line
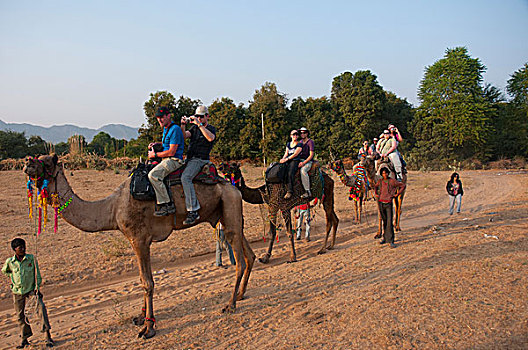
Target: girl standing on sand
x,y
455,192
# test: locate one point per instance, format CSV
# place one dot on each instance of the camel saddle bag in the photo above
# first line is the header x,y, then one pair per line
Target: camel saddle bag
x,y
276,173
140,186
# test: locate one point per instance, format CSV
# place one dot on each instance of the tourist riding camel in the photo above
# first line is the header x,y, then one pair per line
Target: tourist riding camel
x,y
292,159
387,147
171,155
307,158
202,135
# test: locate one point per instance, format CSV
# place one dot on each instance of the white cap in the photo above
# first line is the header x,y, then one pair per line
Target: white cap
x,y
201,110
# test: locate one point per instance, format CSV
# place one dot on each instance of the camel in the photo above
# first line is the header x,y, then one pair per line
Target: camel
x,y
273,198
119,211
350,181
370,167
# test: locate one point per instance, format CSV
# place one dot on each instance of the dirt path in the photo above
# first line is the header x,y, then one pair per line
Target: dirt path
x,y
453,282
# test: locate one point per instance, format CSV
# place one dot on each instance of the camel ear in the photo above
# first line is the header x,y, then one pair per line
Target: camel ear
x,y
55,158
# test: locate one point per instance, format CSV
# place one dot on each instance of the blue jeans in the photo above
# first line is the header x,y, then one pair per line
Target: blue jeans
x,y
192,169
220,244
452,200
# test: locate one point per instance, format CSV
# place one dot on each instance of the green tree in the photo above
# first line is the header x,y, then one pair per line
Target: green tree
x,y
62,148
270,104
317,115
228,120
516,115
361,104
37,146
101,144
453,119
13,144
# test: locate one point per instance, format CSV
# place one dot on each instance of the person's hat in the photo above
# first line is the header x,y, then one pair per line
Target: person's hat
x,y
162,111
375,139
201,110
303,129
390,126
386,131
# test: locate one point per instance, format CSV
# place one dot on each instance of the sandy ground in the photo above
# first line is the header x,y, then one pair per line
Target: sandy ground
x,y
453,282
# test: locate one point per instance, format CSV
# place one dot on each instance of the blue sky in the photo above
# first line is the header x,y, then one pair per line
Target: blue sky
x,y
92,63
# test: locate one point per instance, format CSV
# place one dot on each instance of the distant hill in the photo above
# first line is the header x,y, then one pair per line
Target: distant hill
x,y
61,133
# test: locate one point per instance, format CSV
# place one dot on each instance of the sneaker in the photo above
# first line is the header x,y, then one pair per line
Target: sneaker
x,y
298,237
308,239
171,209
164,210
288,195
306,195
382,241
392,245
192,217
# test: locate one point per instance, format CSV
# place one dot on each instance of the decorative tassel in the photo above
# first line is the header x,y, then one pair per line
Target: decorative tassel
x,y
29,187
39,221
55,206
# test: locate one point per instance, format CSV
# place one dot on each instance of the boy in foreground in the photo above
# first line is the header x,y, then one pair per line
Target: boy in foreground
x,y
23,271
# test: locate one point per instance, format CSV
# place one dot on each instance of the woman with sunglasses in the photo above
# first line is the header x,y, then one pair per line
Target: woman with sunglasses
x,y
291,157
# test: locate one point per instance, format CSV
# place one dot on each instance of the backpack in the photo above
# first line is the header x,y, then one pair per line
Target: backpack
x,y
276,173
140,186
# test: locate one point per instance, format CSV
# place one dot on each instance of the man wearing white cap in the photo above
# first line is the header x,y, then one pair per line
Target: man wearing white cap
x,y
306,155
202,135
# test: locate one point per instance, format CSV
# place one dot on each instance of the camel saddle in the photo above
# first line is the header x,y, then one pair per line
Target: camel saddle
x,y
141,188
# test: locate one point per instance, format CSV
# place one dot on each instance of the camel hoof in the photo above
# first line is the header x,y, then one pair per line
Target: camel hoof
x,y
264,259
291,261
322,251
228,309
330,247
139,320
147,333
240,297
378,235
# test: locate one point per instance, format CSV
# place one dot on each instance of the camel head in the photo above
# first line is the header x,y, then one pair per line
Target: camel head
x,y
231,171
336,165
45,167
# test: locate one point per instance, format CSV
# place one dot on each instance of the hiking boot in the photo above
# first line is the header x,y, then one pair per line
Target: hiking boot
x,y
23,344
306,195
192,217
288,195
165,209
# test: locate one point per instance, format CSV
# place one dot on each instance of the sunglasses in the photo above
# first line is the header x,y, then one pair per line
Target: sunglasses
x,y
304,132
294,134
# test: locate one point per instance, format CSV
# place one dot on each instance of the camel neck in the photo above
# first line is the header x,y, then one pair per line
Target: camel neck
x,y
250,195
85,215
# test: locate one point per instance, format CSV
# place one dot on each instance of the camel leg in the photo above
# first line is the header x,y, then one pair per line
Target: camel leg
x,y
331,218
287,219
272,234
399,202
334,222
235,239
142,250
140,320
249,258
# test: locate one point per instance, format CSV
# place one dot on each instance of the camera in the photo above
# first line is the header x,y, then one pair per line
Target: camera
x,y
187,119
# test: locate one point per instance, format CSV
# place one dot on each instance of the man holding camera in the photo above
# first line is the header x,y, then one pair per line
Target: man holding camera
x,y
171,154
202,136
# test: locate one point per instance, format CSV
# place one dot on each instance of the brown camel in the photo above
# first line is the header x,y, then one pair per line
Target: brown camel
x,y
273,198
369,164
350,181
119,211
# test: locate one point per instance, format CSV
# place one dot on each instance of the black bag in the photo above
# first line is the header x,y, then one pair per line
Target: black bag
x,y
140,186
276,173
